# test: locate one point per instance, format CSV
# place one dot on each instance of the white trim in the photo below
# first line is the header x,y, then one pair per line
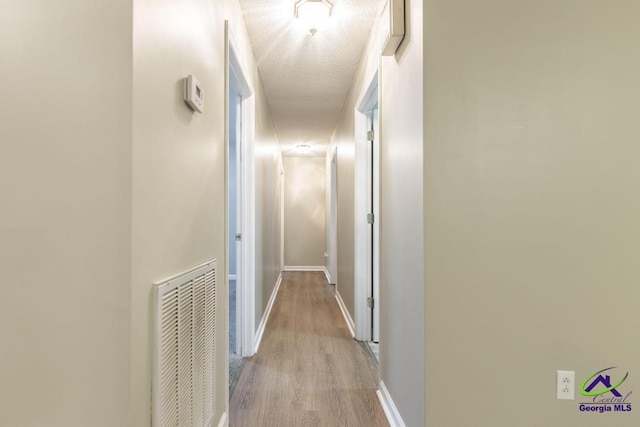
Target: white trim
x,y
224,421
267,312
327,275
389,408
331,258
363,237
282,177
345,313
321,268
375,238
304,268
237,75
245,293
370,96
248,227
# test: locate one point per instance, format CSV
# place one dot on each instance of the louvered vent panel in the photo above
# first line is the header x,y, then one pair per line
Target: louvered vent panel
x,y
209,344
169,358
199,299
184,356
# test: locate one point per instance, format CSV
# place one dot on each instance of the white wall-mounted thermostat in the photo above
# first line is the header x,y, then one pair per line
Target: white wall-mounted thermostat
x,y
193,94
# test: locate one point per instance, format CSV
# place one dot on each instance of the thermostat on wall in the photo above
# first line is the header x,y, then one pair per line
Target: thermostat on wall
x,y
193,94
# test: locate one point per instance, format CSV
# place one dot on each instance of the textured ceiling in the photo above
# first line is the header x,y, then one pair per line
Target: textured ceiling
x,y
306,77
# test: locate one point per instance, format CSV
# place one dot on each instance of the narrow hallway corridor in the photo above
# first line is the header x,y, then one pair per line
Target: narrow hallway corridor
x,y
309,371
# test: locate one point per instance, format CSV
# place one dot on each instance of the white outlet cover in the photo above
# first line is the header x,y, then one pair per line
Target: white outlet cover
x,y
565,385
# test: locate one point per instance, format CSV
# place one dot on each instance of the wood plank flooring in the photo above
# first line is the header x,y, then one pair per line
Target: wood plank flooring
x,y
309,371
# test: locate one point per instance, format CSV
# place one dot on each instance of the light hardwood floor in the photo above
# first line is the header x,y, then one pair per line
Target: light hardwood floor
x,y
309,371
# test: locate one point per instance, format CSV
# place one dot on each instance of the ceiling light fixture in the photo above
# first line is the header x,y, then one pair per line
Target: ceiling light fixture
x,y
304,149
313,13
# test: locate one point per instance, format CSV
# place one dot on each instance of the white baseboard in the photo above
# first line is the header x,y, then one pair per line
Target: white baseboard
x,y
224,420
389,408
267,312
309,268
345,314
304,268
327,275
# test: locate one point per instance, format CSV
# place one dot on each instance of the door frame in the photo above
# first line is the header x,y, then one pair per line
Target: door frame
x,y
367,238
235,211
282,180
332,216
236,75
373,190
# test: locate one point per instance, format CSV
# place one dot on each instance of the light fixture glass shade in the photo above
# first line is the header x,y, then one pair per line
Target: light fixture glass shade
x,y
313,13
304,149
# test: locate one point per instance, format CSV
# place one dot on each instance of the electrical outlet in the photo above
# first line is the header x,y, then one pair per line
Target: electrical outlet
x,y
565,385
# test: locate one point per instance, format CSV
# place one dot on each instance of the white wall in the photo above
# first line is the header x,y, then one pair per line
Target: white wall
x,y
65,223
531,207
401,219
304,211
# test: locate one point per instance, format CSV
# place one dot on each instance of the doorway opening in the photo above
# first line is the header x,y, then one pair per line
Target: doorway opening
x,y
373,191
234,189
373,203
332,245
240,210
368,217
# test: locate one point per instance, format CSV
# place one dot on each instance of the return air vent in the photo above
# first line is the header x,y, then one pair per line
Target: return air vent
x,y
184,349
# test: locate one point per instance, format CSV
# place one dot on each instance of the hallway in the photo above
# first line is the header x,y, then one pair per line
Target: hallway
x,y
309,371
506,157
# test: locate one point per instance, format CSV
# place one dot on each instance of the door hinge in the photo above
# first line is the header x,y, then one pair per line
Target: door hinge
x,y
370,218
370,302
371,135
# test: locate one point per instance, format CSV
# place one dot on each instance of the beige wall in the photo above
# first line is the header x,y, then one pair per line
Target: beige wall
x,y
109,184
65,224
268,204
345,161
304,211
178,167
401,219
268,164
531,207
179,164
